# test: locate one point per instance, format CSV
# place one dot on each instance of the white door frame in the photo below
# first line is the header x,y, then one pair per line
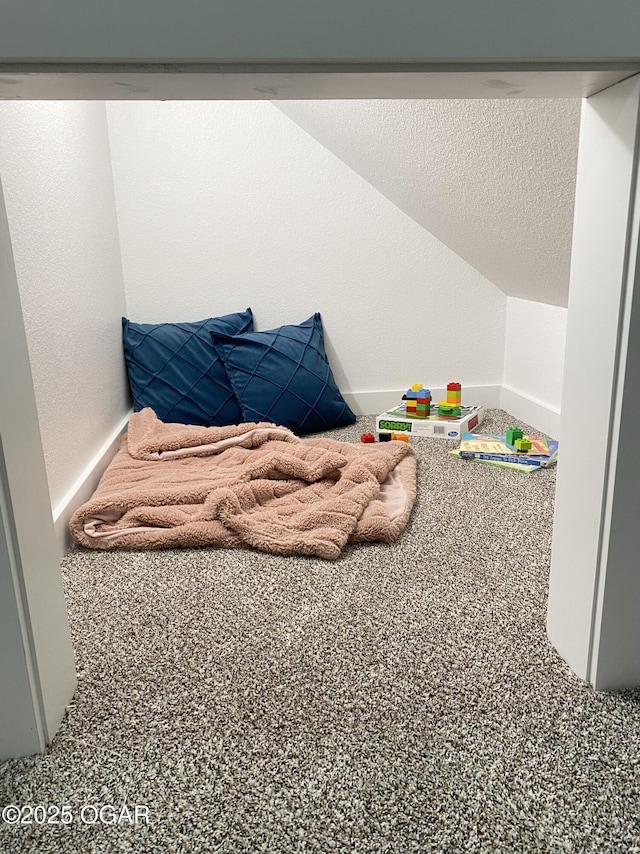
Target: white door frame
x,y
37,670
592,581
594,586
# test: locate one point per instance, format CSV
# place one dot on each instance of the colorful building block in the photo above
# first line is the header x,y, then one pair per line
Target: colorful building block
x,y
384,437
418,401
367,438
417,390
400,437
454,394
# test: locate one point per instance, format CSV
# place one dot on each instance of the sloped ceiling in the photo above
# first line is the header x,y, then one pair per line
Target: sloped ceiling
x,y
494,180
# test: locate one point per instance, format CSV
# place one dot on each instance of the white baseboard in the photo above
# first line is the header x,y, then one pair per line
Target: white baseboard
x,y
375,402
84,487
530,410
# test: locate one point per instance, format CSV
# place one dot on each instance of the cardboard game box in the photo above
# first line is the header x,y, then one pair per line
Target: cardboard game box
x,y
434,426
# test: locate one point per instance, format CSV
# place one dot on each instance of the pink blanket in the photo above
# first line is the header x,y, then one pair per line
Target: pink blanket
x,y
246,485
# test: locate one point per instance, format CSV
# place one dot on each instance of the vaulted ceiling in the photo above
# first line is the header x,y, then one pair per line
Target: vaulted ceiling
x,y
494,180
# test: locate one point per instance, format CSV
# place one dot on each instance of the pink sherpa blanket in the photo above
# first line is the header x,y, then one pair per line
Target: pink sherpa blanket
x,y
252,485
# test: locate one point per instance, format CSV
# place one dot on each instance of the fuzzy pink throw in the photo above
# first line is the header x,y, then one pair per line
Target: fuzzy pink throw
x,y
246,485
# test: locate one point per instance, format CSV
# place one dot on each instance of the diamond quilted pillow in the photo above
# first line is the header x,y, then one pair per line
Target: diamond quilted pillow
x,y
174,369
283,376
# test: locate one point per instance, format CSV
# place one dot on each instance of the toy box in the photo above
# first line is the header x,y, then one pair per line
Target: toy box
x,y
434,426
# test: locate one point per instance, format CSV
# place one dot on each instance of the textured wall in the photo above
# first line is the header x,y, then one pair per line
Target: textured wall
x,y
534,350
56,172
492,179
222,205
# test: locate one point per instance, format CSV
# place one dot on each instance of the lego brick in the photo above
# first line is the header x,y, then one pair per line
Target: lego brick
x,y
367,438
523,444
512,434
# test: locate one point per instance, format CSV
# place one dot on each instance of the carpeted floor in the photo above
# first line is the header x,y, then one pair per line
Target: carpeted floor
x,y
402,699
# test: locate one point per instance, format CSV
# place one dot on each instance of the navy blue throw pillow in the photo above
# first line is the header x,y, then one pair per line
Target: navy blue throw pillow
x,y
175,369
283,376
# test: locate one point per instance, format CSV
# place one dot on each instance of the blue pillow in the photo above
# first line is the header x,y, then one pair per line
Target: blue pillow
x,y
283,375
174,369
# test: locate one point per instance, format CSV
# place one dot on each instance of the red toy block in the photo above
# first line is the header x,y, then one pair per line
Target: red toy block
x,y
367,438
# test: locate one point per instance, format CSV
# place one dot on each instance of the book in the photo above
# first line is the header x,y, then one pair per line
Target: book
x,y
519,458
525,468
496,445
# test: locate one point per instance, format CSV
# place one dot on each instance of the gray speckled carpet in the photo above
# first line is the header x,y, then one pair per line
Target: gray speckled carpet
x,y
402,699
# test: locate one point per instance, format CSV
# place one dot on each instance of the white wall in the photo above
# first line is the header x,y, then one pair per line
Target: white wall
x,y
223,205
534,362
56,172
494,180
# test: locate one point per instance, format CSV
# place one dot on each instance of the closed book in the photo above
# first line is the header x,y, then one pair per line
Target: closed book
x,y
520,459
525,468
496,444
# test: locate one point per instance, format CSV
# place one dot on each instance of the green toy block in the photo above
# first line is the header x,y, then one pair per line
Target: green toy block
x,y
513,433
449,410
523,444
